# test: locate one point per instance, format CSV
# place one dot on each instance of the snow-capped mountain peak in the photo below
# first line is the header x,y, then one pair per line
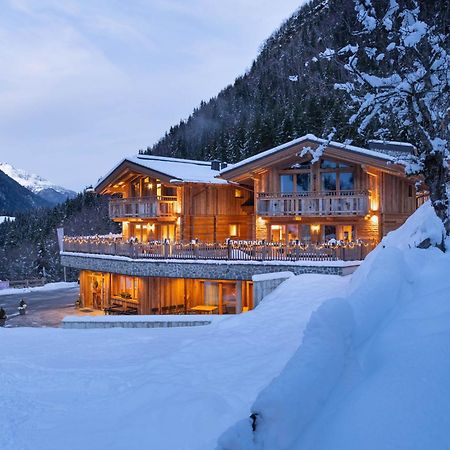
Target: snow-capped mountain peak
x,y
38,185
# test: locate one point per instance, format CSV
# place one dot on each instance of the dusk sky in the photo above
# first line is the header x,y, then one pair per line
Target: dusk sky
x,y
84,83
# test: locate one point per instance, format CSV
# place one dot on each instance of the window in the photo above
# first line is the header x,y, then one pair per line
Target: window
x,y
300,182
238,193
346,182
347,233
327,164
329,232
305,233
328,181
303,182
234,230
336,176
292,232
287,183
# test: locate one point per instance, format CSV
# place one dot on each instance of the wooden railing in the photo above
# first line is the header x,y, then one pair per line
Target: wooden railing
x,y
230,250
333,203
142,207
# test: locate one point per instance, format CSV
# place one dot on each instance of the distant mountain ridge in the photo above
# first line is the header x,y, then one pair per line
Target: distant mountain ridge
x,y
16,198
48,191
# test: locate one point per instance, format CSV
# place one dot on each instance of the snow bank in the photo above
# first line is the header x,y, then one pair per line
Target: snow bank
x,y
46,287
162,389
422,225
301,408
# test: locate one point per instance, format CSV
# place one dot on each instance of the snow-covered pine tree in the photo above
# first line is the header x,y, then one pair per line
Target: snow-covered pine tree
x,y
405,79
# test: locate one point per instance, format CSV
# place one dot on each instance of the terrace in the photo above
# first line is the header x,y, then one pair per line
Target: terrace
x,y
226,251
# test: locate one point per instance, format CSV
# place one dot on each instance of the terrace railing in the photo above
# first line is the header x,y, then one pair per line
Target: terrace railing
x,y
334,203
226,251
143,207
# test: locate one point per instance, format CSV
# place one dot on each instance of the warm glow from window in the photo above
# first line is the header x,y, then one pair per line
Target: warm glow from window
x,y
237,193
234,230
374,219
315,228
276,227
374,204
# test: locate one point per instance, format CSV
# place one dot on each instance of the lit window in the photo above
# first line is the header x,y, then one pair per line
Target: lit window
x,y
238,193
234,230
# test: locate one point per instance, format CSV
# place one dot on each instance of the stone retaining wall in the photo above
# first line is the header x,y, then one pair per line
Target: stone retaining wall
x,y
213,270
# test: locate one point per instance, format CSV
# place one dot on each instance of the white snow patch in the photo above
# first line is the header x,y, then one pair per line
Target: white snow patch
x,y
7,219
46,287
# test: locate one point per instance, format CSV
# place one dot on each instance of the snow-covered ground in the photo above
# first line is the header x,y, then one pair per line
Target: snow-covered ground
x,y
373,368
325,363
46,287
160,389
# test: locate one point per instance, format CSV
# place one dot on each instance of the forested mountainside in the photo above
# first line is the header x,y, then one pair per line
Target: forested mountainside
x,y
29,244
288,91
15,198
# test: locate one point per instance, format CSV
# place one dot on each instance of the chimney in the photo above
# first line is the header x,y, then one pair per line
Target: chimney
x,y
223,165
215,164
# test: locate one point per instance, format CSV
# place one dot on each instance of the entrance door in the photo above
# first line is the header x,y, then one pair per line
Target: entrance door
x,y
96,297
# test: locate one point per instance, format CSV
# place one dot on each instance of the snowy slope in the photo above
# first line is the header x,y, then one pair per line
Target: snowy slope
x,y
372,369
161,389
38,185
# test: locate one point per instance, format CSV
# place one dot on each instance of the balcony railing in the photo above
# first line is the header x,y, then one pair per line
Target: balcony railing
x,y
229,250
327,203
142,207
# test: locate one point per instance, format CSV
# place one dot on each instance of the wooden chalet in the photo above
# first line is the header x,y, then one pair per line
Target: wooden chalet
x,y
306,199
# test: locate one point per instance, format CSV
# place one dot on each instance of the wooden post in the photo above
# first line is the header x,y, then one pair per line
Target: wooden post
x,y
166,248
238,297
229,249
221,298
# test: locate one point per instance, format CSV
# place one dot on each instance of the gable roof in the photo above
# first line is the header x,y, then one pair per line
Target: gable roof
x,y
172,170
378,158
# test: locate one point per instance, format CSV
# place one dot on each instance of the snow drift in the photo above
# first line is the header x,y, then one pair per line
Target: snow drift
x,y
371,370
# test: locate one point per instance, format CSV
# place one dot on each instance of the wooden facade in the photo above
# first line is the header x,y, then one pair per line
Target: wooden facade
x,y
152,206
157,295
280,197
343,195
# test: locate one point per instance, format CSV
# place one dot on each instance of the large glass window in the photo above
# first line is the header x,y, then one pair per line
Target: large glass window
x,y
346,181
328,181
287,183
303,182
327,164
305,233
336,176
329,232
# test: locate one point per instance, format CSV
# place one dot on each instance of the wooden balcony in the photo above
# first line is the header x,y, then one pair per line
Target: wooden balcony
x,y
143,207
329,203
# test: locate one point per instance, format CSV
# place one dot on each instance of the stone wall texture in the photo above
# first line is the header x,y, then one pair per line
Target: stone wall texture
x,y
193,269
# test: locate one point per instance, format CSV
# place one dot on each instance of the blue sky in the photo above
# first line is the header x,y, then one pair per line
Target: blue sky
x,y
84,83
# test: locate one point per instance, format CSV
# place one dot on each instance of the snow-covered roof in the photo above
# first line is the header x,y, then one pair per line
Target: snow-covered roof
x,y
314,139
177,169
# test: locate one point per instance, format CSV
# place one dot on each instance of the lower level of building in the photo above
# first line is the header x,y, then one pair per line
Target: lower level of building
x,y
116,293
